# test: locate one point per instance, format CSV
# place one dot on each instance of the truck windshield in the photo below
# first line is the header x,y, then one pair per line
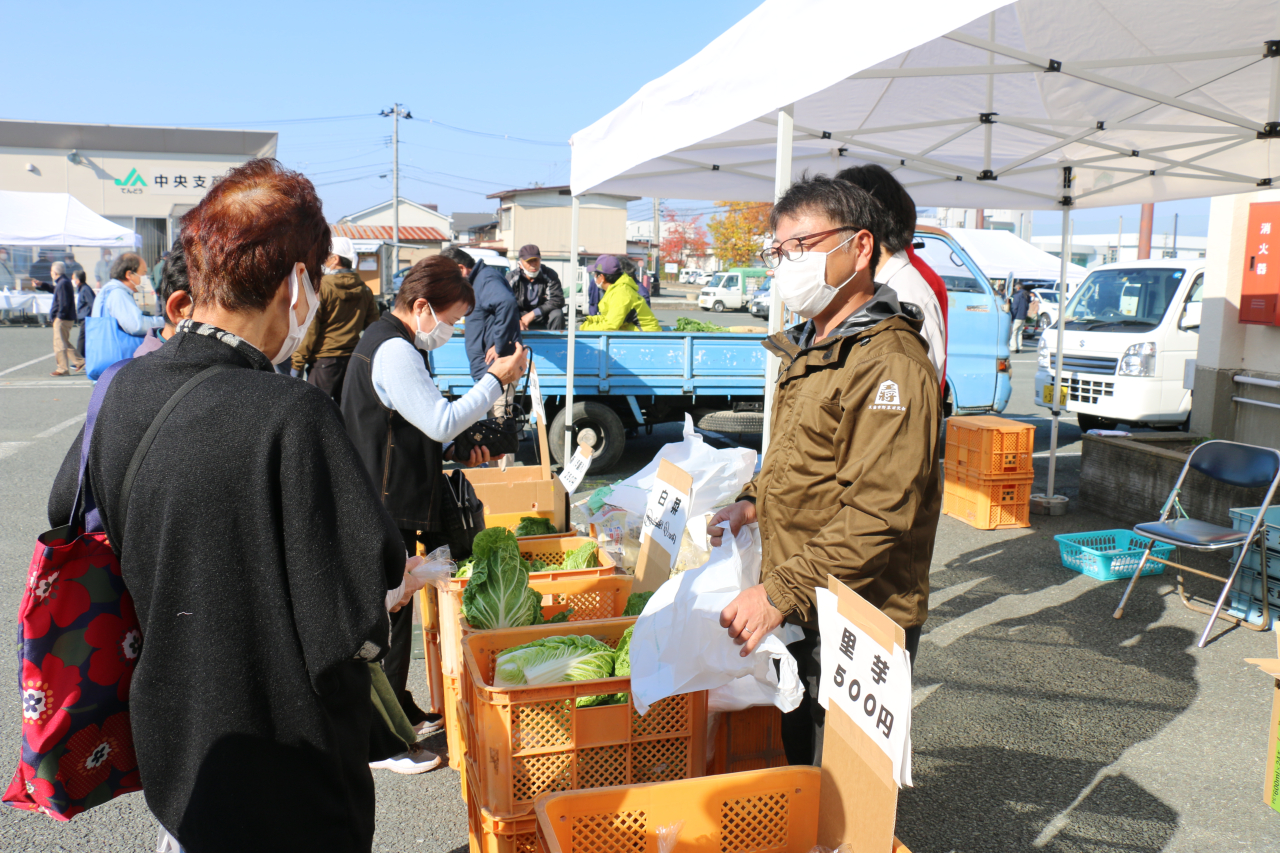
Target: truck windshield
x,y
716,280
1123,297
948,264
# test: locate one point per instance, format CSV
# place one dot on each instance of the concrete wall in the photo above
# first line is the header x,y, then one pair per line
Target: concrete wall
x,y
1229,348
93,182
546,219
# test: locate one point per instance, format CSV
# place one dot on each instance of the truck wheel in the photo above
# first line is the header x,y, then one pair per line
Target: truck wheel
x,y
733,423
718,307
601,428
1088,422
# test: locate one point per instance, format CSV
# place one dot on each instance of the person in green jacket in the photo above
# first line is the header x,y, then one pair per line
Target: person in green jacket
x,y
621,308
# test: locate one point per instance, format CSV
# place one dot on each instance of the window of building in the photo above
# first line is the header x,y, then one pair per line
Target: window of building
x,y
504,219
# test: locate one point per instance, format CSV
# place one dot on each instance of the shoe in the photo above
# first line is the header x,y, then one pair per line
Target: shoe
x,y
416,760
79,369
59,373
432,724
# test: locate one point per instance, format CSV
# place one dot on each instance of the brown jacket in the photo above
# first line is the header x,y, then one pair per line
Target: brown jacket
x,y
850,484
347,308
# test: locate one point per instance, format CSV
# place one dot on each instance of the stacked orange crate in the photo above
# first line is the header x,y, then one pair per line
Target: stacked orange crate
x,y
535,740
988,472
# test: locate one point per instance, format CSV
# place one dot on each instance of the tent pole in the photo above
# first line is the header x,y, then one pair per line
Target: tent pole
x,y
1050,503
1057,371
573,325
781,181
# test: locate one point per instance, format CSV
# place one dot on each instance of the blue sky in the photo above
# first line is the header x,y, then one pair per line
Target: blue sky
x,y
535,71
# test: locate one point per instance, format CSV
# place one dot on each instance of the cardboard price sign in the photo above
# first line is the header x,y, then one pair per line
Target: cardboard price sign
x,y
872,684
571,476
665,518
535,391
858,802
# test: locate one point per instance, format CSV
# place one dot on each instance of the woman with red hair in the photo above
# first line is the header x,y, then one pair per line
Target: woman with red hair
x,y
258,552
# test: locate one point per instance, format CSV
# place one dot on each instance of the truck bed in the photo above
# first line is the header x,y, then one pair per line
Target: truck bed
x,y
629,363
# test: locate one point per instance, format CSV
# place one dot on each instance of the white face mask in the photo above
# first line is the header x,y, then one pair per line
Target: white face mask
x,y
437,337
803,283
530,274
296,330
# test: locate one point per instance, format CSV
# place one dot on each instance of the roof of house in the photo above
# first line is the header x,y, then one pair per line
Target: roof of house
x,y
468,221
561,190
385,204
408,233
135,138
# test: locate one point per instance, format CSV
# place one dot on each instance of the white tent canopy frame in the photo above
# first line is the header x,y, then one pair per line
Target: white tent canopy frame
x,y
1033,105
57,219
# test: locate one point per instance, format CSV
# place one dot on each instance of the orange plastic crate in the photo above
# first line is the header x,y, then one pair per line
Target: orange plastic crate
x,y
588,597
774,810
435,678
750,739
452,730
489,834
990,446
527,741
988,503
551,549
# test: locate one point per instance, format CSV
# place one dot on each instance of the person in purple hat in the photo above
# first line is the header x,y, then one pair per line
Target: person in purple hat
x,y
538,292
621,308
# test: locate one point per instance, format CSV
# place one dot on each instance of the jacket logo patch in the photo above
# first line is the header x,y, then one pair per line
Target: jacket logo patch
x,y
887,398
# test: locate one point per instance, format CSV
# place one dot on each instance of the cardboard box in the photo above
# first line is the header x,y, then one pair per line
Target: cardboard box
x,y
529,490
1271,777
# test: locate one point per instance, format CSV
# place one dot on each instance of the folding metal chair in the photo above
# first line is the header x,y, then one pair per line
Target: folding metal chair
x,y
1241,465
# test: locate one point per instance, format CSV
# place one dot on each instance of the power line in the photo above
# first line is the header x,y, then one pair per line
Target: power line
x,y
496,135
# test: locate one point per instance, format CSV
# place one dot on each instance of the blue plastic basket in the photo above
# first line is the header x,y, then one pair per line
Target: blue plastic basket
x,y
1109,554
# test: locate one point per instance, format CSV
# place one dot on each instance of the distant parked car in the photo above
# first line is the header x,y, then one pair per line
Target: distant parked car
x,y
760,302
701,277
1048,315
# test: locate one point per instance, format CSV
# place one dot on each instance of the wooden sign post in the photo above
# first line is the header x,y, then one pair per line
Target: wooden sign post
x,y
664,522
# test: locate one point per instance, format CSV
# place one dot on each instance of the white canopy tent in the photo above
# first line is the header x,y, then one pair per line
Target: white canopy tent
x,y
57,219
1003,254
1033,105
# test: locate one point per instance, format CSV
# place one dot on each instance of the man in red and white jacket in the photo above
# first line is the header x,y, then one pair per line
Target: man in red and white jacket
x,y
900,268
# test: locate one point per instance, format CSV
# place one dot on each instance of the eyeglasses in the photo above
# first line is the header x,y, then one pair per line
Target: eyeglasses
x,y
794,249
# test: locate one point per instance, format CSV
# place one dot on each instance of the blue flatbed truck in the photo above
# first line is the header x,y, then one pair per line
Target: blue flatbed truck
x,y
630,380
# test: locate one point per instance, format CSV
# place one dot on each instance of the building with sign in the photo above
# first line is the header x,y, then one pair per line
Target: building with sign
x,y
143,178
544,216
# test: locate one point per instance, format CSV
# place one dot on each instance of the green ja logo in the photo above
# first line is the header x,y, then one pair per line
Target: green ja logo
x,y
133,179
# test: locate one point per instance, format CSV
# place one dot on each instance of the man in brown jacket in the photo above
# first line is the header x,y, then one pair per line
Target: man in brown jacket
x,y
849,486
347,308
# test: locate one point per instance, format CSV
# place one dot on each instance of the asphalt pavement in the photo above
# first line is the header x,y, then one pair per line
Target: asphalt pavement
x,y
1040,722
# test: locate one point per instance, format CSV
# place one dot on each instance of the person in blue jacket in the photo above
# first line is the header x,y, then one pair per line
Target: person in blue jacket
x,y
492,328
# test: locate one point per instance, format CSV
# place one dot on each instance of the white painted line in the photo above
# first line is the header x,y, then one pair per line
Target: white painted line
x,y
17,384
922,693
1060,453
8,448
57,428
1009,607
26,364
942,596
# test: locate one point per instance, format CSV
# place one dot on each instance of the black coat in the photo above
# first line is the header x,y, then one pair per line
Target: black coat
x,y
258,556
542,295
64,300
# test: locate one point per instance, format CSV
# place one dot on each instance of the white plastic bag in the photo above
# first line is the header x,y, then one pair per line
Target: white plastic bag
x,y
678,645
718,475
435,569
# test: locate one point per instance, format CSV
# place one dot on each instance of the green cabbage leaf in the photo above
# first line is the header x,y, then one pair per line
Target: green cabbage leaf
x,y
635,605
553,660
531,525
498,594
583,557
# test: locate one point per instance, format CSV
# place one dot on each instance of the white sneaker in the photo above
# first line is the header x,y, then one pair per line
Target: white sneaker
x,y
408,763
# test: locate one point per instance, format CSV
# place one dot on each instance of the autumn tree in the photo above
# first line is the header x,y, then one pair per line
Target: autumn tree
x,y
739,230
681,239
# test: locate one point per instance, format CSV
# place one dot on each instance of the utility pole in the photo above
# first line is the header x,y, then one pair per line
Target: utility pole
x,y
1175,235
655,246
395,112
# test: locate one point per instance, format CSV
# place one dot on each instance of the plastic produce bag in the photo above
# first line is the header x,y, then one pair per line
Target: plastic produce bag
x,y
679,647
718,475
668,835
436,568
